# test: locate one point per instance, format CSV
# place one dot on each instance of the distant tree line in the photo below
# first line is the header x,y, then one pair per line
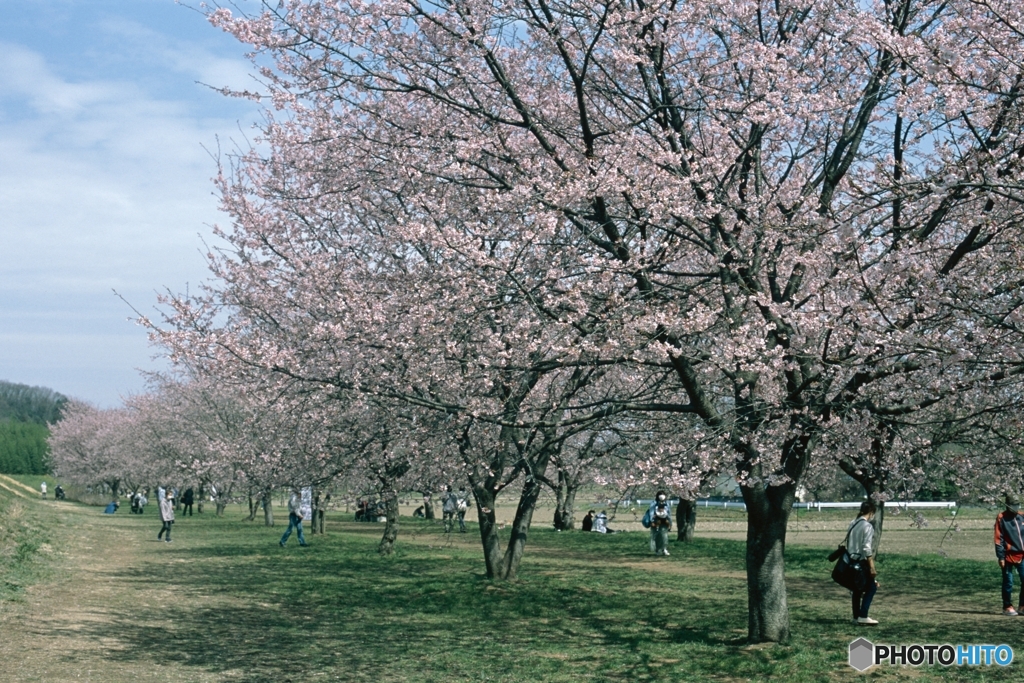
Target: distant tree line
x,y
22,403
25,415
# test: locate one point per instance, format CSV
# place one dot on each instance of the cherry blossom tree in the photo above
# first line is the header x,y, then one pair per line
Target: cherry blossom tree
x,y
92,447
796,213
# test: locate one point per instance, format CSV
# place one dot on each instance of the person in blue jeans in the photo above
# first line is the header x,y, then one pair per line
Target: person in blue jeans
x,y
860,548
294,519
1009,536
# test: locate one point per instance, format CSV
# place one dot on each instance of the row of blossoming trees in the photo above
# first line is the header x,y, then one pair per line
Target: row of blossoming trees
x,y
532,241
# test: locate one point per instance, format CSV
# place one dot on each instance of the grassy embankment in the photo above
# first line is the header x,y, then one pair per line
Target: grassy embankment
x,y
24,540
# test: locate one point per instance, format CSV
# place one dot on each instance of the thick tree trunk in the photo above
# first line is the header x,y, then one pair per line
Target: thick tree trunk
x,y
488,530
686,519
253,507
268,508
520,529
387,542
767,515
221,505
876,522
870,487
873,480
319,505
499,565
428,508
565,503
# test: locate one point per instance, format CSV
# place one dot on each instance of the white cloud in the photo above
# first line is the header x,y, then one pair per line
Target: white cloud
x,y
103,184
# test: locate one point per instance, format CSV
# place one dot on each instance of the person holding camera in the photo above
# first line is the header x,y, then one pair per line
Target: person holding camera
x,y
860,548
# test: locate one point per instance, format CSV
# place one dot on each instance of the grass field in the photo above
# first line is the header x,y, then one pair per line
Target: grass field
x,y
224,603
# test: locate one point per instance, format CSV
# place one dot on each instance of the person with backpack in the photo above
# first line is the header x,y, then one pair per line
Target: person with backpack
x,y
658,519
449,508
1010,552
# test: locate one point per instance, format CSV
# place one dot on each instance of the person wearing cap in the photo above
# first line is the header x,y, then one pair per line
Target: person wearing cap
x,y
1010,552
658,519
166,514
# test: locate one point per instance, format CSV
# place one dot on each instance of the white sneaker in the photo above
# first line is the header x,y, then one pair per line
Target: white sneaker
x,y
866,621
665,552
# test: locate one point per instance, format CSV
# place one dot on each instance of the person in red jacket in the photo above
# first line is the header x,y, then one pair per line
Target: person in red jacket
x,y
1010,552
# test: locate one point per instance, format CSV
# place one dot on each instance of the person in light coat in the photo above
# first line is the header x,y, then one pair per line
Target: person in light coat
x,y
166,515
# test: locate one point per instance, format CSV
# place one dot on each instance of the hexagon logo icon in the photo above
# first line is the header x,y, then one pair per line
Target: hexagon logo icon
x,y
862,654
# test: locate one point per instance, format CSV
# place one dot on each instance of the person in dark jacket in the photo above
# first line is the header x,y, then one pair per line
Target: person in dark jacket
x,y
1010,552
588,521
187,499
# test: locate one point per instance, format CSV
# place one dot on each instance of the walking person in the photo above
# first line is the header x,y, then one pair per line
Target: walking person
x,y
187,499
658,519
1010,552
294,519
861,549
448,509
461,505
166,515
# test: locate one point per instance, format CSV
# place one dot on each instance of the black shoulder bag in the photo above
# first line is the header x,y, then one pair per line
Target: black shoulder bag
x,y
848,573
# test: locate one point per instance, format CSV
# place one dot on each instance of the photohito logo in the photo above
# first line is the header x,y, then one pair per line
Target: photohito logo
x,y
864,654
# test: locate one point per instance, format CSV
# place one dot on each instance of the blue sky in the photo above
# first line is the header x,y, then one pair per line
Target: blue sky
x,y
106,137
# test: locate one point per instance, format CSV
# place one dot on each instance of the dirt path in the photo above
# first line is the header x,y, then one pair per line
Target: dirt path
x,y
70,628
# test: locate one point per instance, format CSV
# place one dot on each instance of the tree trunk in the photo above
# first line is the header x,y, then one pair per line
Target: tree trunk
x,y
253,507
873,480
221,505
767,515
565,502
428,507
686,519
488,529
202,497
876,522
315,507
520,528
268,508
387,542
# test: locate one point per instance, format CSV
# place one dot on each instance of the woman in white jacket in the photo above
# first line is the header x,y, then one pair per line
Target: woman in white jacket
x,y
166,514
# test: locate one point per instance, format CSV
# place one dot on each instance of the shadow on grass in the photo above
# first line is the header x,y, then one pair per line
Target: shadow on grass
x,y
248,610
